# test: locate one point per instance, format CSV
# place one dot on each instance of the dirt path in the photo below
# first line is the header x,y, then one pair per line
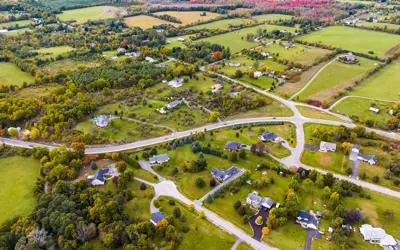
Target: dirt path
x,y
392,51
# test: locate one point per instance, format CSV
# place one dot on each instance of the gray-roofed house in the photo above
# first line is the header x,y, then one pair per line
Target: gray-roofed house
x,y
98,178
289,45
102,120
307,219
176,83
255,201
370,159
158,159
233,146
157,217
327,146
174,104
377,236
221,175
355,150
268,136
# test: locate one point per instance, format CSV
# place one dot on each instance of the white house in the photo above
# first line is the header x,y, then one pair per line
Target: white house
x,y
375,110
132,54
216,87
376,236
180,39
120,50
176,83
370,159
257,74
234,64
258,202
149,59
327,146
101,121
158,159
173,104
265,54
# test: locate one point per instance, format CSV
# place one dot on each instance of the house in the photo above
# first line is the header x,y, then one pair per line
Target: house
x,y
158,159
289,45
267,136
307,219
180,39
370,159
132,54
176,83
217,87
233,146
271,73
221,175
376,236
174,104
157,217
258,202
256,39
160,31
102,121
257,74
327,146
121,50
233,94
265,54
99,177
391,112
161,111
350,57
375,110
149,59
3,31
284,31
234,64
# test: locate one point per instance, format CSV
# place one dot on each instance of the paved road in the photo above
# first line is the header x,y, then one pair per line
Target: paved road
x,y
147,166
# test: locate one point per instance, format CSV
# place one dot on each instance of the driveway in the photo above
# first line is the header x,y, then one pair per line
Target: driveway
x,y
147,166
311,233
355,169
257,229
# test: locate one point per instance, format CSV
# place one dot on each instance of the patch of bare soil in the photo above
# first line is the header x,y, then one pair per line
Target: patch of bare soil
x,y
392,51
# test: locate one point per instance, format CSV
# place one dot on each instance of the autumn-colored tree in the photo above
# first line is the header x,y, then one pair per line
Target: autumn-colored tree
x,y
346,147
191,207
35,133
265,230
213,117
217,55
201,214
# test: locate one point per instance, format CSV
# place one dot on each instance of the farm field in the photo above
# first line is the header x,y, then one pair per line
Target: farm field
x,y
67,64
90,13
383,85
335,77
358,109
379,25
54,51
299,54
145,22
349,38
10,74
18,177
234,40
271,17
189,17
222,24
16,23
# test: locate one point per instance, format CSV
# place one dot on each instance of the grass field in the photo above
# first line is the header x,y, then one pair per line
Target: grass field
x,y
354,106
271,17
379,25
139,206
202,234
36,91
175,43
315,113
67,64
10,74
234,40
18,32
189,17
383,85
145,22
222,24
54,51
335,77
16,23
349,38
299,54
18,177
90,13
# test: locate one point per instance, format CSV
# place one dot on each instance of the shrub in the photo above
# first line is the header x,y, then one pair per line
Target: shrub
x,y
177,212
142,186
200,182
171,202
209,199
213,183
375,179
237,205
185,229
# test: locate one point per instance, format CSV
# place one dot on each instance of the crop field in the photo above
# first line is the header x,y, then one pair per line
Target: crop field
x,y
189,17
383,85
145,22
91,13
13,24
236,40
299,54
17,179
271,17
10,74
349,38
335,77
222,24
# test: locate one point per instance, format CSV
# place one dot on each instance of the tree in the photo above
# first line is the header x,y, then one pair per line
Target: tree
x,y
238,73
349,170
209,198
142,186
213,116
233,157
375,179
334,201
354,215
308,185
121,166
35,133
191,207
200,182
388,214
93,165
13,132
242,153
237,204
259,220
258,148
177,212
327,193
201,214
291,203
265,230
213,183
346,147
319,182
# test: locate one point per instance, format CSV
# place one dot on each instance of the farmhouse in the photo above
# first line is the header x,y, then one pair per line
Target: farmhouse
x,y
375,110
265,54
176,83
258,202
157,217
99,178
158,159
234,64
173,104
307,219
233,146
221,176
132,54
267,136
327,146
376,236
350,57
217,87
102,121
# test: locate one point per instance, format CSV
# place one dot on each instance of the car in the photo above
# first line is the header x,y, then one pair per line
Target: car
x,y
274,118
30,145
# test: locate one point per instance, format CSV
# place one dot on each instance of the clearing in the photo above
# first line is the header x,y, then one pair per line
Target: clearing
x,y
189,17
145,22
91,13
54,51
222,24
21,23
10,74
271,17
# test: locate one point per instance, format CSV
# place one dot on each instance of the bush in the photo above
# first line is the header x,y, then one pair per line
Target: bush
x,y
209,199
171,202
237,205
242,210
142,186
349,171
200,182
183,218
185,229
375,179
213,183
177,212
245,219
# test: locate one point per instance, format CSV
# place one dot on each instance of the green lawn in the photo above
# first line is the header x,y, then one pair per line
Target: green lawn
x,y
335,77
349,38
10,74
246,62
244,246
202,234
271,17
18,177
68,64
314,113
139,206
174,43
90,13
222,24
234,40
54,51
16,23
18,32
358,107
383,85
379,25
